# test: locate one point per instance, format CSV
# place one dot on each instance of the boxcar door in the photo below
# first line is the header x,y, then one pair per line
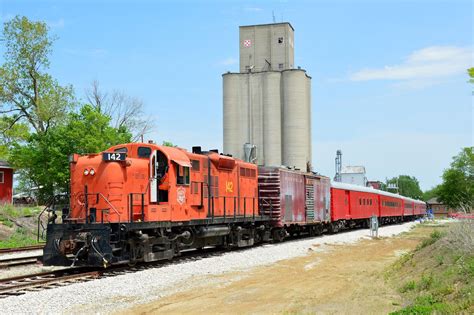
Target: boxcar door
x,y
153,180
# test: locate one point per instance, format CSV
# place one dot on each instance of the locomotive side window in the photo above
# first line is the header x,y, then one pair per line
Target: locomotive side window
x,y
144,152
196,165
183,175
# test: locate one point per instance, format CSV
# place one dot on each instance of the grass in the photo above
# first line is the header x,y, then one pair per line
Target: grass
x,y
21,237
22,220
438,276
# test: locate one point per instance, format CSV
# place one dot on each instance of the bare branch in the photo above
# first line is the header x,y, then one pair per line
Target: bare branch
x,y
124,111
95,97
10,111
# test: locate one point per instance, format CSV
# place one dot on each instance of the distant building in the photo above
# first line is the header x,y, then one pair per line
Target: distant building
x,y
354,175
375,184
439,209
6,183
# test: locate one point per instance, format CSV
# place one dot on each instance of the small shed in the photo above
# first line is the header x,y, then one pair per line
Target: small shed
x,y
439,209
6,183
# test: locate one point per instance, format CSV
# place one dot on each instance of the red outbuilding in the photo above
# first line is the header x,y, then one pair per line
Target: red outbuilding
x,y
6,183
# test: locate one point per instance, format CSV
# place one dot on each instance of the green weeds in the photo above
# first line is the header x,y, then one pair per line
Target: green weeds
x,y
439,274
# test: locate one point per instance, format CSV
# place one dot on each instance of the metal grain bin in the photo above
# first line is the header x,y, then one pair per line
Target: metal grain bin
x,y
296,109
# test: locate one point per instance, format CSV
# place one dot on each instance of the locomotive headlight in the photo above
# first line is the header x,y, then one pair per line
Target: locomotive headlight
x,y
92,172
86,172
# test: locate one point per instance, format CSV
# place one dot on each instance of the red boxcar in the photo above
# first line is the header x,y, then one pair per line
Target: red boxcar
x,y
6,183
293,197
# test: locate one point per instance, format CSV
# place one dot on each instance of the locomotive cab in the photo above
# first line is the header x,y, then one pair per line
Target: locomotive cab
x,y
159,179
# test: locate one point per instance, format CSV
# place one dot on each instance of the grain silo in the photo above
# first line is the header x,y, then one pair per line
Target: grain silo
x,y
267,105
296,121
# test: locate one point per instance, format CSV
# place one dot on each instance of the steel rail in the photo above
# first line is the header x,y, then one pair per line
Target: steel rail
x,y
21,249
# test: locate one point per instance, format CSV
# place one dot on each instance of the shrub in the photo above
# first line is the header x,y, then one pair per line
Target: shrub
x,y
408,286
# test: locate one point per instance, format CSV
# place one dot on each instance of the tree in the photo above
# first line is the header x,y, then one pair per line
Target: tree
x,y
43,161
457,189
431,193
408,186
27,93
125,111
470,71
168,144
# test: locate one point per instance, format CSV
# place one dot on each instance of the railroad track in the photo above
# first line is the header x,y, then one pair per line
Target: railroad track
x,y
41,281
18,261
20,249
36,282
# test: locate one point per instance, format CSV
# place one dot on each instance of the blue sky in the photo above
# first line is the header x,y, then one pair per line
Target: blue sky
x,y
389,83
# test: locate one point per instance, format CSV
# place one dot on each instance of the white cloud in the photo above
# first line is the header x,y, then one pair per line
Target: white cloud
x,y
430,63
228,61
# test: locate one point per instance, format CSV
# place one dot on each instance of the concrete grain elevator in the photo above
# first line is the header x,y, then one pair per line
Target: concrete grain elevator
x,y
267,105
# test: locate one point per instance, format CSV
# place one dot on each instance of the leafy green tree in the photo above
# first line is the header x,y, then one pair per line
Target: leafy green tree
x,y
168,144
408,186
44,159
28,94
470,71
431,193
457,189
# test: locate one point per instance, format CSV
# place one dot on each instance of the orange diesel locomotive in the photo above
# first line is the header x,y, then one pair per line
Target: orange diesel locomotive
x,y
144,202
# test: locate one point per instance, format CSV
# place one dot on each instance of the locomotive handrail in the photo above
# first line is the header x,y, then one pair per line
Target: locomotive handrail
x,y
50,203
98,195
111,206
234,198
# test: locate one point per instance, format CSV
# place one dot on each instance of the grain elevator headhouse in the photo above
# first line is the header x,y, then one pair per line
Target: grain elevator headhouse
x,y
267,105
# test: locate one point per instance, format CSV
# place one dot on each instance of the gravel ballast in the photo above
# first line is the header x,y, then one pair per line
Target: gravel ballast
x,y
116,293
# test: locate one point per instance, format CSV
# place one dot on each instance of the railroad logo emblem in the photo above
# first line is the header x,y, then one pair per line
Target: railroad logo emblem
x,y
229,187
247,43
181,195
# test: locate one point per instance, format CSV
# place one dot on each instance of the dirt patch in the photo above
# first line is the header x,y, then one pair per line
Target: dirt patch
x,y
344,279
5,231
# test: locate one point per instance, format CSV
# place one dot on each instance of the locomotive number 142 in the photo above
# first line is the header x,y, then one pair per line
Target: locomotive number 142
x,y
115,156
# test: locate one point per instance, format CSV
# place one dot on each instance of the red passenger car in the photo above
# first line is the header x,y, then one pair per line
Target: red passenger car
x,y
353,205
6,183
